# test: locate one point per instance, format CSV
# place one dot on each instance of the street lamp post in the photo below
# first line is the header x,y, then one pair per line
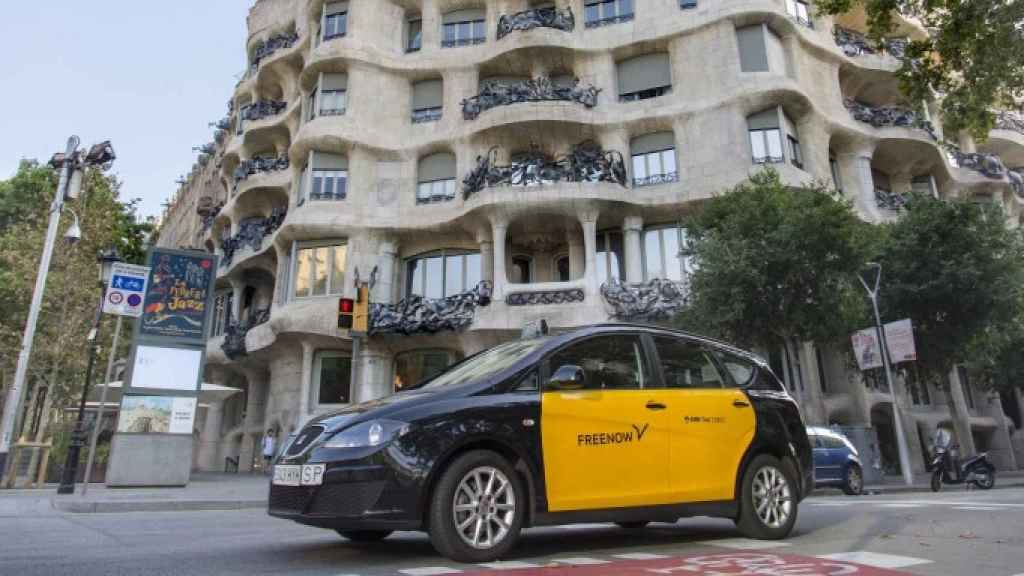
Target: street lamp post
x,y
106,262
901,440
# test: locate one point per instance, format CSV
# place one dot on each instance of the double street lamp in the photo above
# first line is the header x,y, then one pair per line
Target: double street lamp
x,y
106,261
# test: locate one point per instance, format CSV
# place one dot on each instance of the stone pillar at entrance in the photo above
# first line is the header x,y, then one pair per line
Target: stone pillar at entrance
x,y
256,402
588,220
855,168
375,373
387,258
499,232
632,226
958,413
486,259
209,438
911,434
1001,450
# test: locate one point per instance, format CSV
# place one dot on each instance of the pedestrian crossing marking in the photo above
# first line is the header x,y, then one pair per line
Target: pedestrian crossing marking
x,y
746,543
875,559
509,565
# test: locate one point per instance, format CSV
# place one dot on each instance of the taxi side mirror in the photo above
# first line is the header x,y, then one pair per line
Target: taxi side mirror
x,y
568,377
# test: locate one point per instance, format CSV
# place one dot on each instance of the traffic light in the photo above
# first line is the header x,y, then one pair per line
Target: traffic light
x,y
361,317
346,308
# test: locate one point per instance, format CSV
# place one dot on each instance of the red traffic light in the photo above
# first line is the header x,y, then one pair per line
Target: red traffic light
x,y
346,306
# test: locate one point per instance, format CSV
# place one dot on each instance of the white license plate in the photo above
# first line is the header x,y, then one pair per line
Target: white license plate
x,y
294,475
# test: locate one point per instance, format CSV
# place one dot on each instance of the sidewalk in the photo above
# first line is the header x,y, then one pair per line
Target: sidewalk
x,y
209,491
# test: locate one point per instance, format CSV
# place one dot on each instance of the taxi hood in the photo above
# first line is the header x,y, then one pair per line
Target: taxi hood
x,y
380,408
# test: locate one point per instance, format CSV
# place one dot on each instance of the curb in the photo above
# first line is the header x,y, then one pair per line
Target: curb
x,y
120,506
896,489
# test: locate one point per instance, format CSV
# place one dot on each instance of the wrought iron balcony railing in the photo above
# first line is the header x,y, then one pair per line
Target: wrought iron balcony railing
x,y
536,18
548,297
458,42
235,333
653,179
587,162
645,94
251,233
540,89
263,50
424,115
208,211
854,44
416,314
988,165
890,200
656,299
263,109
1006,120
258,165
889,116
617,19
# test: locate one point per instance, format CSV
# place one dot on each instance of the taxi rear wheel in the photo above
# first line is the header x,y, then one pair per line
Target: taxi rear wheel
x,y
768,500
364,535
477,508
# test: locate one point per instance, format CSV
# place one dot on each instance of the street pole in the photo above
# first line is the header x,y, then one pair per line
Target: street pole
x,y
14,395
901,439
103,402
67,477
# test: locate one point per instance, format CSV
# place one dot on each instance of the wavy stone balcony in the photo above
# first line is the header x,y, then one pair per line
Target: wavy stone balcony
x,y
536,18
251,233
540,89
1011,121
265,49
587,162
854,44
889,117
208,212
259,165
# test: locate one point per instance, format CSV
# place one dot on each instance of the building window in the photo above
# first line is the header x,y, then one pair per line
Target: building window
x,y
443,273
318,270
435,178
654,159
463,28
796,155
833,166
881,181
687,4
311,103
240,119
521,270
414,35
766,137
798,9
760,49
611,261
427,101
663,257
328,176
418,365
563,268
605,12
222,305
335,21
332,372
644,77
333,89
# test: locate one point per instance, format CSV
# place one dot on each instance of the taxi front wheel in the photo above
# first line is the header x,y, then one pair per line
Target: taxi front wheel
x,y
477,508
768,501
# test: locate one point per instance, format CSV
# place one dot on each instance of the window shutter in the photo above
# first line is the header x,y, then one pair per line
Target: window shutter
x,y
323,161
467,15
753,55
335,8
440,166
427,94
653,143
644,72
764,120
335,81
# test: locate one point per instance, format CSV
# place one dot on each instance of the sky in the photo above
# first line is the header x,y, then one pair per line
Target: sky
x,y
148,76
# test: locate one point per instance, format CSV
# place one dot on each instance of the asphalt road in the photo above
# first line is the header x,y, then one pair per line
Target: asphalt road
x,y
956,532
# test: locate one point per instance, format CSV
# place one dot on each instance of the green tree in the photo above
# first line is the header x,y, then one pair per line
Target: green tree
x,y
954,269
996,356
972,57
776,265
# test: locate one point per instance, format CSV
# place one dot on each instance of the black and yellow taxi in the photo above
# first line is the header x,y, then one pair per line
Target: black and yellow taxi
x,y
612,423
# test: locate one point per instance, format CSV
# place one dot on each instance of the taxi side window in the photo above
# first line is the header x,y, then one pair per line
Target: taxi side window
x,y
529,382
686,364
742,371
608,362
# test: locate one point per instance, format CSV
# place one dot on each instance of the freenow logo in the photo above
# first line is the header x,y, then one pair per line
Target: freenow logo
x,y
612,437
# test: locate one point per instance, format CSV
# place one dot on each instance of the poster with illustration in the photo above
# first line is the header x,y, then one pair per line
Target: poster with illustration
x,y
178,294
156,415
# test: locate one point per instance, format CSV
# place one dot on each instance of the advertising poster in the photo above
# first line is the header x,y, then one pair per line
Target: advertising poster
x,y
899,338
177,296
157,415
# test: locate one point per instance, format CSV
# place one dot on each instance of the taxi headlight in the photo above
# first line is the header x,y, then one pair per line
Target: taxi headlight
x,y
367,434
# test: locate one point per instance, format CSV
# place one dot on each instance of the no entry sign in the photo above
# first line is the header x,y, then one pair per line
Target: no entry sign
x,y
727,564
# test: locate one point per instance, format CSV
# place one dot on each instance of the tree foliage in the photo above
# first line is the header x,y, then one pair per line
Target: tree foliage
x,y
776,265
956,270
973,56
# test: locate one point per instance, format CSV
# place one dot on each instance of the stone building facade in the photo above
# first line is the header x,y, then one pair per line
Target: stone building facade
x,y
490,163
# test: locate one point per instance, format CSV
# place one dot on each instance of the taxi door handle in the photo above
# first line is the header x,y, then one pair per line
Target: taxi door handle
x,y
740,403
652,405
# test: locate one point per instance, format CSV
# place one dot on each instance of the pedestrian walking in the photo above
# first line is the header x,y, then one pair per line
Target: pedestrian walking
x,y
269,446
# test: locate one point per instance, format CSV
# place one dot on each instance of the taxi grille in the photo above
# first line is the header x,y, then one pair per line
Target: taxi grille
x,y
350,499
290,499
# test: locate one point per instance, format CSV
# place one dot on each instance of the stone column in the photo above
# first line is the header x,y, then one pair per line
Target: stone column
x,y
1001,450
910,432
483,238
387,264
813,401
431,22
855,170
632,226
958,413
209,439
375,374
306,394
499,232
588,221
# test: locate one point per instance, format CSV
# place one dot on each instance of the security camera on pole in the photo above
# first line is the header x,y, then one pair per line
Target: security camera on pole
x,y
71,164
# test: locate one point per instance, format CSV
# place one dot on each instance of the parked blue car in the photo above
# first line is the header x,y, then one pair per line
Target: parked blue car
x,y
836,463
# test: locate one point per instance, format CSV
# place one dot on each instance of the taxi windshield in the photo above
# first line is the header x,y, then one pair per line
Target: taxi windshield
x,y
484,364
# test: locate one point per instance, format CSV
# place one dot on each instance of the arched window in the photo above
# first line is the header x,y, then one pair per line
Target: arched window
x,y
435,178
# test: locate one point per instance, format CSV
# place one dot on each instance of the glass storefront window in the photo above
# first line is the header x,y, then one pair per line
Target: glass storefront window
x,y
333,374
418,365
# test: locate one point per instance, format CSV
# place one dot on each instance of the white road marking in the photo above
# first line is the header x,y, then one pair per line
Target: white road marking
x,y
510,565
901,505
639,556
581,561
978,508
951,502
430,571
840,504
875,559
746,543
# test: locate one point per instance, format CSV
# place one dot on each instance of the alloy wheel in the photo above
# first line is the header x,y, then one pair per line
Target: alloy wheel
x,y
773,498
484,507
